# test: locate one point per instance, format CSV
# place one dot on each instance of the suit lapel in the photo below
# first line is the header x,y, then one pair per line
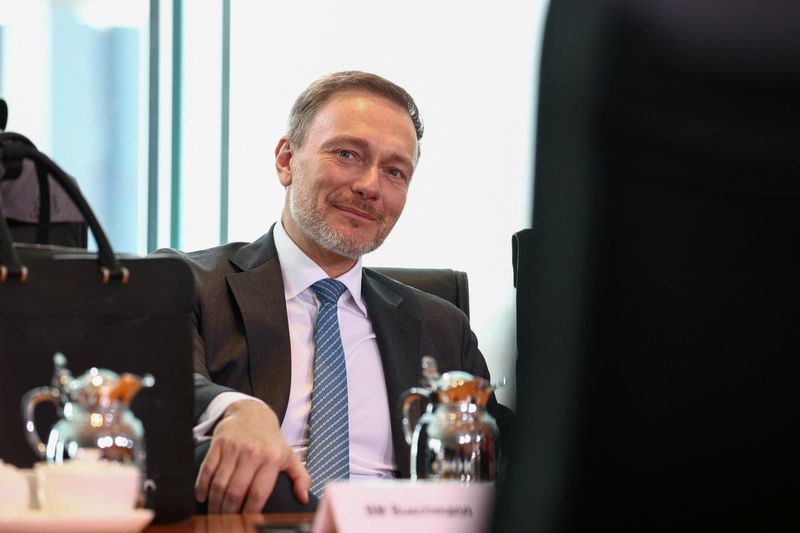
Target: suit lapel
x,y
398,335
259,294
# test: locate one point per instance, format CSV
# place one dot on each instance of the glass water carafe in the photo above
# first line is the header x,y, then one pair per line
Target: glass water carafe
x,y
455,438
95,419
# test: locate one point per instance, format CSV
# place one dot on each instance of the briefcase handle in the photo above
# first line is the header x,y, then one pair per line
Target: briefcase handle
x,y
13,149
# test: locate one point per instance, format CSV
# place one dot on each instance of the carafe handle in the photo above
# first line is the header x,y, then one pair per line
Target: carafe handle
x,y
31,399
406,400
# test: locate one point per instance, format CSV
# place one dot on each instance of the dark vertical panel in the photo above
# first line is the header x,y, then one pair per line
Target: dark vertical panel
x,y
657,309
177,66
225,122
152,129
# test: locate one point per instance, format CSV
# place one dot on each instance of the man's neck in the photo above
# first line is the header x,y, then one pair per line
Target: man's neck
x,y
334,269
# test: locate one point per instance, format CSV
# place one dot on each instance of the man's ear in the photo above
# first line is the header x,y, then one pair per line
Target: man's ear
x,y
283,156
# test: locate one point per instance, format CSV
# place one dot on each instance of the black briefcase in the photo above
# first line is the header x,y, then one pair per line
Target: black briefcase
x,y
125,314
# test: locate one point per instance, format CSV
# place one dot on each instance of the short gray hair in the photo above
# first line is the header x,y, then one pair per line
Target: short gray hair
x,y
308,104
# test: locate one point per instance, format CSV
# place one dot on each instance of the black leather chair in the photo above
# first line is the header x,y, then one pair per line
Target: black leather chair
x,y
34,212
445,283
658,319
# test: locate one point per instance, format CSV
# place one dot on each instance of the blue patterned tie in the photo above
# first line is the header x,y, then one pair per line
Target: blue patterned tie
x,y
329,437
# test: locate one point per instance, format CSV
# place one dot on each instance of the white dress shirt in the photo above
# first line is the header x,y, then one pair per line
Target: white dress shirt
x,y
371,452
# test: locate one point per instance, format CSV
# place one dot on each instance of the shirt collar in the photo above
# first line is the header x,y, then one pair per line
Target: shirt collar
x,y
300,272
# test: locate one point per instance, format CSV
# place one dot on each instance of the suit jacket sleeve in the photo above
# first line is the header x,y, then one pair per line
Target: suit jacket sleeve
x,y
204,388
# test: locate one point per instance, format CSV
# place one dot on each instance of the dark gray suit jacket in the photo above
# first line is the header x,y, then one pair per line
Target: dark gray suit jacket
x,y
241,337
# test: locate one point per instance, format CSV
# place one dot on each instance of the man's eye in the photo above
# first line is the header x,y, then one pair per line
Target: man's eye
x,y
345,154
395,173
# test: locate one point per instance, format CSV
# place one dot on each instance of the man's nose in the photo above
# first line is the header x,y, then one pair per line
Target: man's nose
x,y
367,184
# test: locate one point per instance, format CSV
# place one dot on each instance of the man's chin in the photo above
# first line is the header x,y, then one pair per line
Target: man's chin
x,y
359,235
352,245
354,250
342,237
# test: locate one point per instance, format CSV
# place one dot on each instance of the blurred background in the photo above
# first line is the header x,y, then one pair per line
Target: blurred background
x,y
167,112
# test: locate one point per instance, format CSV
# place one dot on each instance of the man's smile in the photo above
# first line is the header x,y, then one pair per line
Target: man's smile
x,y
356,212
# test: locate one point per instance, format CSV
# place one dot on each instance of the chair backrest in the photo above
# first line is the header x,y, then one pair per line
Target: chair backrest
x,y
659,327
445,283
3,114
37,210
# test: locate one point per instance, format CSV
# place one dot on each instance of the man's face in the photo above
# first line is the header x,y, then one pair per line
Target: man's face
x,y
347,183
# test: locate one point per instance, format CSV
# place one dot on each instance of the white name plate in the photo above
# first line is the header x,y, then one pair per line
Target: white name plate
x,y
404,506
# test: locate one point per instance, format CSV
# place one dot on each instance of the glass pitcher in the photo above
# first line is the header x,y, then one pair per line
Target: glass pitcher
x,y
455,438
95,421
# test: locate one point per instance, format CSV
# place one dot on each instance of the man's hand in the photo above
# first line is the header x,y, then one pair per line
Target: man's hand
x,y
246,454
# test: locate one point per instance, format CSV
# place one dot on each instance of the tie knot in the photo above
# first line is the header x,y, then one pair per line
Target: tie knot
x,y
329,290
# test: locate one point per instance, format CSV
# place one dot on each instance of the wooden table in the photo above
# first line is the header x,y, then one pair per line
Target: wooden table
x,y
232,523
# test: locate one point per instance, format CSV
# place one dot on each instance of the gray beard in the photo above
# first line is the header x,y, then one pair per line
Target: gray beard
x,y
313,225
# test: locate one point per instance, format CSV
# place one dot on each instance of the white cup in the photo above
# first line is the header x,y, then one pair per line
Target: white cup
x,y
14,490
87,487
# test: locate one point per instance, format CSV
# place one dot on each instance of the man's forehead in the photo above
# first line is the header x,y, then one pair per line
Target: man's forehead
x,y
360,100
356,109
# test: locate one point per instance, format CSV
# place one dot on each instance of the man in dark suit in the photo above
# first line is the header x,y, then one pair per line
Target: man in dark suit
x,y
346,164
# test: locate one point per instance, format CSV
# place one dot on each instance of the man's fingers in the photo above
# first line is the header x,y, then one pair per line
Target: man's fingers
x,y
246,454
218,485
260,489
207,470
240,483
301,481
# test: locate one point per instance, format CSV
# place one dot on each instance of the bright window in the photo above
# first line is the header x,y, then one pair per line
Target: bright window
x,y
168,119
